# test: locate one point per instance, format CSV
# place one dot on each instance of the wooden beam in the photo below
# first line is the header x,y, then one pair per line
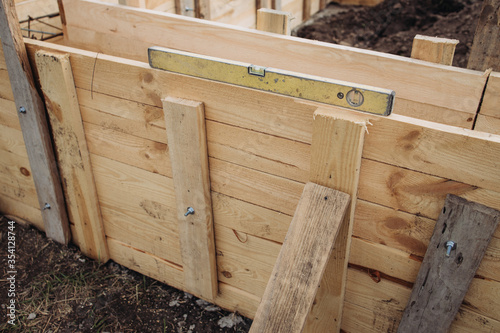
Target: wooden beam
x,y
434,49
484,52
306,9
56,79
275,21
337,145
187,140
34,126
302,260
448,268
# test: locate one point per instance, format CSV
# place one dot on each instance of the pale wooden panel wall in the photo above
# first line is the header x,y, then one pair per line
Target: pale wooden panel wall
x,y
259,159
17,188
426,91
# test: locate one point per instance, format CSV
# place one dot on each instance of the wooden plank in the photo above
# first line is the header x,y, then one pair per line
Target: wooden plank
x,y
414,192
258,188
437,85
13,207
435,149
306,9
335,162
35,129
489,106
484,51
56,79
444,279
487,124
434,49
245,261
8,114
187,141
11,140
303,257
138,208
250,219
274,21
236,300
5,87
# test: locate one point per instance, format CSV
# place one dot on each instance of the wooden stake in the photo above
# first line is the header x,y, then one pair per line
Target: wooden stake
x,y
275,21
434,49
56,79
445,274
303,257
484,53
306,10
336,150
185,123
34,126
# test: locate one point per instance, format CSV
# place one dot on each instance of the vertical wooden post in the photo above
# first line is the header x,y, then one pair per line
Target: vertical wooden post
x,y
193,8
484,53
434,49
34,126
275,21
306,9
336,150
187,142
56,79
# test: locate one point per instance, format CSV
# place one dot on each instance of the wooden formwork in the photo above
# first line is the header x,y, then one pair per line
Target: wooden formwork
x,y
262,149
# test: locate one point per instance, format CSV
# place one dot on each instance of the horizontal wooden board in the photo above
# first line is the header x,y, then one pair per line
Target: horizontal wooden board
x,y
146,263
414,192
276,193
16,180
487,124
489,106
263,152
11,140
8,114
138,207
5,88
244,261
237,300
379,306
15,207
250,219
132,150
444,86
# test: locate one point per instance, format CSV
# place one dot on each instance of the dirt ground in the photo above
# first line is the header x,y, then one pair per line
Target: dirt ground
x,y
57,289
391,26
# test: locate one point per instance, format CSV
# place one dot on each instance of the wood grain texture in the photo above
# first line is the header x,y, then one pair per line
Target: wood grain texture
x,y
335,162
434,49
491,99
487,124
443,86
484,51
443,279
187,140
275,21
303,257
56,79
34,124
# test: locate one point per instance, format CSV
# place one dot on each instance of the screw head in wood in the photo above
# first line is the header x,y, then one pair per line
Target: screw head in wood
x,y
190,210
22,109
450,245
47,206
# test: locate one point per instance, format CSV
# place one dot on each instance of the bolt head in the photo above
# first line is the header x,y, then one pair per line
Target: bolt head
x,y
22,109
450,243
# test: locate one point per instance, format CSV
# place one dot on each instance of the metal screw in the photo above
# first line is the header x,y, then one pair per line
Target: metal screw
x,y
190,210
450,245
187,9
47,206
22,109
340,95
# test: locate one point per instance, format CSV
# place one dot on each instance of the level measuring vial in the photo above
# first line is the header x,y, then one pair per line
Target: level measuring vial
x,y
314,88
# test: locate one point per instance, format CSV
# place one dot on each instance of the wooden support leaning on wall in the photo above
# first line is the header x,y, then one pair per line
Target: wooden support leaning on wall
x,y
187,142
302,260
34,127
434,49
461,236
56,79
484,52
336,150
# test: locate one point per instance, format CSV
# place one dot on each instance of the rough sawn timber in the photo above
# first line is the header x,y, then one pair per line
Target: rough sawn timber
x,y
302,260
443,279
